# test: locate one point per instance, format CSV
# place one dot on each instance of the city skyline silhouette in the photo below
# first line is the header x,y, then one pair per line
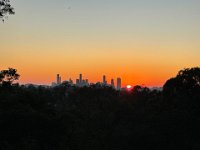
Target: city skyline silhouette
x,y
99,74
81,82
143,42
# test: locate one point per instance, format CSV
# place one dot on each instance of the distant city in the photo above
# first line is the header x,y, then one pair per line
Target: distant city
x,y
80,82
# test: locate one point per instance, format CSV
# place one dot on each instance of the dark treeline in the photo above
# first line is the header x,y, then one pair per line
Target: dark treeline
x,y
99,117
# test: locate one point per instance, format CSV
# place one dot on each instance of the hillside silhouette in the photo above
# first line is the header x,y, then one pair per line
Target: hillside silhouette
x,y
98,117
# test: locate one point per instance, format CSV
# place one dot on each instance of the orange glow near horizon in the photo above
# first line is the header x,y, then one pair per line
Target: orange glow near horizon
x,y
47,75
144,70
42,69
142,42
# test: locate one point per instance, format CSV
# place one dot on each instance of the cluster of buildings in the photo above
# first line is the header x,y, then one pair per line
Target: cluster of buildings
x,y
112,83
80,82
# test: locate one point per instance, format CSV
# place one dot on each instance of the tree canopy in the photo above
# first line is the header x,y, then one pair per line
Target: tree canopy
x,y
98,117
8,76
5,9
186,81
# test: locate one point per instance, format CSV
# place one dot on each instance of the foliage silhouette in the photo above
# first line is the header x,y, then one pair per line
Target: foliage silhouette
x,y
98,117
186,82
5,9
7,77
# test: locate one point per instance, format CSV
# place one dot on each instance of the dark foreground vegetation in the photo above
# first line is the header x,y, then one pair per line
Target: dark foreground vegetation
x,y
100,118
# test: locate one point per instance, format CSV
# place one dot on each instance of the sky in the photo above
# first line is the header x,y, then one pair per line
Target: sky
x,y
144,42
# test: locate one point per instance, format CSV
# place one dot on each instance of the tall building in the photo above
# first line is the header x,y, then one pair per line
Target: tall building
x,y
80,78
81,82
70,81
119,83
77,82
87,81
112,83
58,79
104,80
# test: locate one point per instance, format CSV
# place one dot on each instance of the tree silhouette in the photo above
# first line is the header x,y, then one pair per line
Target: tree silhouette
x,y
98,117
5,9
1,76
187,81
190,77
9,76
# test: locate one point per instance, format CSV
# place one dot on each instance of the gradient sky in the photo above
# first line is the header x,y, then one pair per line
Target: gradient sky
x,y
141,41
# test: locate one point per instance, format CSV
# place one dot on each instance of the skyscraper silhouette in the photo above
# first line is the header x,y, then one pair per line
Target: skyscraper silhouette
x,y
87,81
80,78
112,83
119,83
58,78
77,82
104,80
